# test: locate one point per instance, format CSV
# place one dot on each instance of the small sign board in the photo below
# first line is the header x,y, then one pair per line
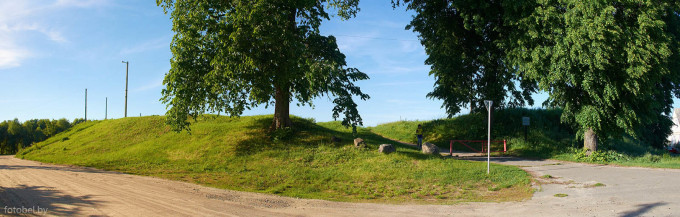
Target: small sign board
x,y
525,121
488,104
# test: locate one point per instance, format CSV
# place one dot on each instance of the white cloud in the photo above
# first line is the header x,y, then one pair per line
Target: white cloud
x,y
162,42
11,57
20,18
155,84
353,43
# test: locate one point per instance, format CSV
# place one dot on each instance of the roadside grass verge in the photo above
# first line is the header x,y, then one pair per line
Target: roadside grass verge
x,y
239,154
547,138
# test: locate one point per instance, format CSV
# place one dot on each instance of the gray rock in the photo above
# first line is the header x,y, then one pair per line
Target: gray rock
x,y
386,148
429,148
359,143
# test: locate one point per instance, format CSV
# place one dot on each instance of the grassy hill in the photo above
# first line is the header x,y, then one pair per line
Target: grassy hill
x,y
548,138
239,154
545,131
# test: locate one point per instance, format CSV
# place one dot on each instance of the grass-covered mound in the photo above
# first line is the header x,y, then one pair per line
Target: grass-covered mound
x,y
547,138
239,154
545,130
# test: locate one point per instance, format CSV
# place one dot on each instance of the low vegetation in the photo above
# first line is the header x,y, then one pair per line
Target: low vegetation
x,y
239,154
547,138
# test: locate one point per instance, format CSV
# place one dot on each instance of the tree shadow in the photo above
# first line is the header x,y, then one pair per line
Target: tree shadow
x,y
307,134
59,168
41,200
642,209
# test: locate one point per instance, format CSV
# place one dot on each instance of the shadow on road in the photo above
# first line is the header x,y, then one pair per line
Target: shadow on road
x,y
496,159
53,168
642,209
36,200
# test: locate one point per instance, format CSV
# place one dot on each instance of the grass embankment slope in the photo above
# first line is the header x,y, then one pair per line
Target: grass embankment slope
x,y
238,154
548,138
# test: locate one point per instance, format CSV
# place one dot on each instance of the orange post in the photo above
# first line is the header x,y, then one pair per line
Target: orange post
x,y
451,148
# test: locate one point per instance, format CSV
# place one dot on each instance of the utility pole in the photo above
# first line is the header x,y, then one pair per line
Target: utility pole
x,y
106,109
85,104
127,65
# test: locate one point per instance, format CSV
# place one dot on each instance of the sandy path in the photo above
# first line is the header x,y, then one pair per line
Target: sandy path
x,y
78,191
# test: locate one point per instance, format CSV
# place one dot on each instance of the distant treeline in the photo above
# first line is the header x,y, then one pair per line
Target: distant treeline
x,y
15,135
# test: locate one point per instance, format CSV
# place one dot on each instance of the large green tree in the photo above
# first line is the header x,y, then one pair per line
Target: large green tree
x,y
612,65
229,56
466,45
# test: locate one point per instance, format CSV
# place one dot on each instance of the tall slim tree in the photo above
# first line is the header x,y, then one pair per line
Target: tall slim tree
x,y
229,56
612,65
465,42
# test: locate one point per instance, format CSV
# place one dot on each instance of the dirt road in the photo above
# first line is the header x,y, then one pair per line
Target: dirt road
x,y
62,190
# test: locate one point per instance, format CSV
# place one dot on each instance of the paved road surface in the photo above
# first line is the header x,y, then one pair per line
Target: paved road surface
x,y
68,191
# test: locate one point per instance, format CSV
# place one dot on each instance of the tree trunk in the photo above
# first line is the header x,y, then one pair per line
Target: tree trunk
x,y
590,141
281,109
282,97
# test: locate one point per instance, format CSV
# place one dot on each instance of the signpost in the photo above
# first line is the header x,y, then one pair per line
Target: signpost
x,y
525,123
488,104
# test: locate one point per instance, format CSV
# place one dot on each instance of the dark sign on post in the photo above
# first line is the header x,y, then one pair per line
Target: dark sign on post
x,y
525,121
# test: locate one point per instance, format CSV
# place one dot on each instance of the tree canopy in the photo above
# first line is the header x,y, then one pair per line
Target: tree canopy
x,y
611,65
466,45
229,56
14,135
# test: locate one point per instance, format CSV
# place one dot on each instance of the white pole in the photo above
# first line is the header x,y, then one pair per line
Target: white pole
x,y
488,145
488,103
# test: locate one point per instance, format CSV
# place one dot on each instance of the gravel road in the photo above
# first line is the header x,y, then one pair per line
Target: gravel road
x,y
29,187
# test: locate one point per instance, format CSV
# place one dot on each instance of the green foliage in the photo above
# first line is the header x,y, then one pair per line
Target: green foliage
x,y
598,156
611,65
547,138
229,56
507,124
239,154
466,46
14,135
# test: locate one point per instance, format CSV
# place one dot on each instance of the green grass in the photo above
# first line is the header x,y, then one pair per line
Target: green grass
x,y
547,138
545,131
595,185
561,195
239,154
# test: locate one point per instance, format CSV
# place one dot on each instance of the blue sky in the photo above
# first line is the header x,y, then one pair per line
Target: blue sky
x,y
50,51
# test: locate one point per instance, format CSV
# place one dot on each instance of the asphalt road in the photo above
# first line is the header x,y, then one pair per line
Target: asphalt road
x,y
29,187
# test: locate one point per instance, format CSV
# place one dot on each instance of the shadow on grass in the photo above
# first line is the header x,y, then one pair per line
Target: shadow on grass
x,y
25,200
307,134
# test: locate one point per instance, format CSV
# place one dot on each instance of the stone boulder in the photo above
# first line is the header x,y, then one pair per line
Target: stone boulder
x,y
359,143
429,148
386,148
